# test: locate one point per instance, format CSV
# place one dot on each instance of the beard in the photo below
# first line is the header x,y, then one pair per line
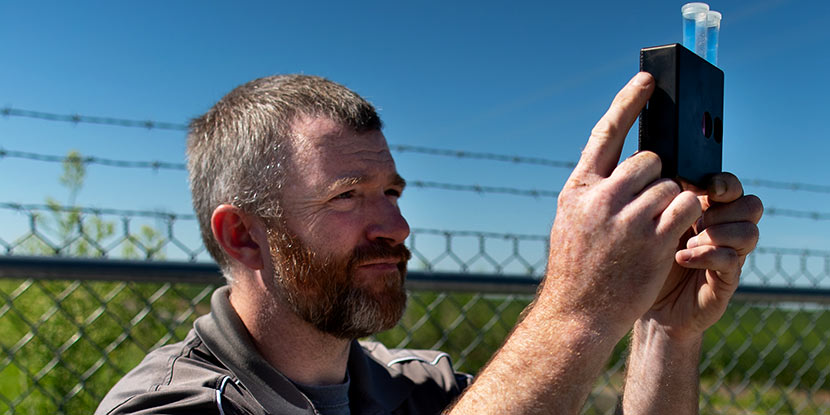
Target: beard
x,y
322,289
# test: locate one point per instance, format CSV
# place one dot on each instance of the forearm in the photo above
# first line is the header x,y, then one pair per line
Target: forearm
x,y
662,375
547,365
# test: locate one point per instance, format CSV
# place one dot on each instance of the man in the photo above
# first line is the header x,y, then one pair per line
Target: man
x,y
297,198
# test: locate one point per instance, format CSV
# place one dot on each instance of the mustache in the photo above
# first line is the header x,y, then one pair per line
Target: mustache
x,y
378,250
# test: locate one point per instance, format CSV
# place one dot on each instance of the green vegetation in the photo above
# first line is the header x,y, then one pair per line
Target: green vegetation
x,y
83,235
68,342
65,343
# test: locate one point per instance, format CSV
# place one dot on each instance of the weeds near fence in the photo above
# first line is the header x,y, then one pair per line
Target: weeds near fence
x,y
67,342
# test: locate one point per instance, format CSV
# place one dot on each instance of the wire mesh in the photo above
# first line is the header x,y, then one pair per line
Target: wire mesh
x,y
65,342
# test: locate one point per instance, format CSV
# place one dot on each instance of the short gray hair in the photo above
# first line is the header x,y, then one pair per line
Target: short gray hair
x,y
237,151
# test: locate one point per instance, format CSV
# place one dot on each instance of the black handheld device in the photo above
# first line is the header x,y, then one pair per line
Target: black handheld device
x,y
683,120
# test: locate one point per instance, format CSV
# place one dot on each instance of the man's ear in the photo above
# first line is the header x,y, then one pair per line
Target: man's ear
x,y
240,235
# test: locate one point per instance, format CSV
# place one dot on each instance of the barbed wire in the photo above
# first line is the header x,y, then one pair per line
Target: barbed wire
x,y
462,154
793,213
180,166
474,188
795,186
401,148
91,119
155,165
29,207
768,211
159,165
484,189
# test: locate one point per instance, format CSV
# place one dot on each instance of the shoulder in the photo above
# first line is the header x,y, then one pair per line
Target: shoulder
x,y
422,367
178,378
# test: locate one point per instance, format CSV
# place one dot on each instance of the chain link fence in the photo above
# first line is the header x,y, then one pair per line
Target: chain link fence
x,y
71,327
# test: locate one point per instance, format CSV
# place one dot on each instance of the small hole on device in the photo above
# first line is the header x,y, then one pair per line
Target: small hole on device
x,y
706,124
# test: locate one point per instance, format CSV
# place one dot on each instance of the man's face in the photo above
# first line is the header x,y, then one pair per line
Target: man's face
x,y
338,250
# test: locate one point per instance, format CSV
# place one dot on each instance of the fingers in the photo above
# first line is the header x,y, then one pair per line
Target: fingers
x,y
720,248
722,260
722,188
745,209
680,215
655,198
638,171
723,273
602,152
740,236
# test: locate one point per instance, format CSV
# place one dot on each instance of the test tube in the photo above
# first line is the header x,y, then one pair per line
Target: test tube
x,y
712,33
694,27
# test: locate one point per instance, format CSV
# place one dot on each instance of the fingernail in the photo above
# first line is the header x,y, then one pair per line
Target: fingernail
x,y
720,187
641,79
684,256
692,242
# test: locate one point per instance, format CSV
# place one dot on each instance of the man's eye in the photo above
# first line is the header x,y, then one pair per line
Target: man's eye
x,y
345,195
393,193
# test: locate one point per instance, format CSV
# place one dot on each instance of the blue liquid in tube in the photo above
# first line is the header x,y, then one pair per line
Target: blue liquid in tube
x,y
712,45
712,33
701,30
694,27
689,33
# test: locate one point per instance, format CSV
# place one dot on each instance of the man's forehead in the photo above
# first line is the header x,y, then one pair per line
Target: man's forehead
x,y
321,135
308,130
325,152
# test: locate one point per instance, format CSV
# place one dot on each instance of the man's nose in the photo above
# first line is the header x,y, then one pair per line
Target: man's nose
x,y
387,224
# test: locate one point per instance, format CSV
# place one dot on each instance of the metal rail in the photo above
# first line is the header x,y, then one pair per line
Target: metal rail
x,y
92,269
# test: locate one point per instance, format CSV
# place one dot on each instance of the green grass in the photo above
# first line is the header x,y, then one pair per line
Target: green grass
x,y
66,343
756,360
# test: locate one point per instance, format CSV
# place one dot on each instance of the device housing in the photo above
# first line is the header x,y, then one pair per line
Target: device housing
x,y
683,120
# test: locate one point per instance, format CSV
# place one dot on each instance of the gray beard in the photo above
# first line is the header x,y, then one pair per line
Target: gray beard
x,y
322,292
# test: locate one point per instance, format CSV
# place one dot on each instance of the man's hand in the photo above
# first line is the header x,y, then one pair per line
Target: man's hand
x,y
665,344
617,227
614,244
708,264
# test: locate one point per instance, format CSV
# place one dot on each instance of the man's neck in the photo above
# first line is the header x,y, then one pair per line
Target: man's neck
x,y
292,346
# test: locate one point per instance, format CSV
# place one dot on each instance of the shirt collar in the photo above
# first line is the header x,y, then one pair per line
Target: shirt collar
x,y
227,338
374,385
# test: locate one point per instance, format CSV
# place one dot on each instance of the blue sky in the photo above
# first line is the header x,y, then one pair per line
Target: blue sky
x,y
518,78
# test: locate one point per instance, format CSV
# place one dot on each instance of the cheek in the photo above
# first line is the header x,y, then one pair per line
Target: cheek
x,y
337,232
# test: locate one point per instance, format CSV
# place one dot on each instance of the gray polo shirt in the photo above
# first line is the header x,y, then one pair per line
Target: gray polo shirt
x,y
217,370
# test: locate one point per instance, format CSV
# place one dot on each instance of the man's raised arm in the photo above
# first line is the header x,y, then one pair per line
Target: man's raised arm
x,y
662,375
612,261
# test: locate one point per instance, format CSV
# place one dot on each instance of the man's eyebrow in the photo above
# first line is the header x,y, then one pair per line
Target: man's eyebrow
x,y
347,181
